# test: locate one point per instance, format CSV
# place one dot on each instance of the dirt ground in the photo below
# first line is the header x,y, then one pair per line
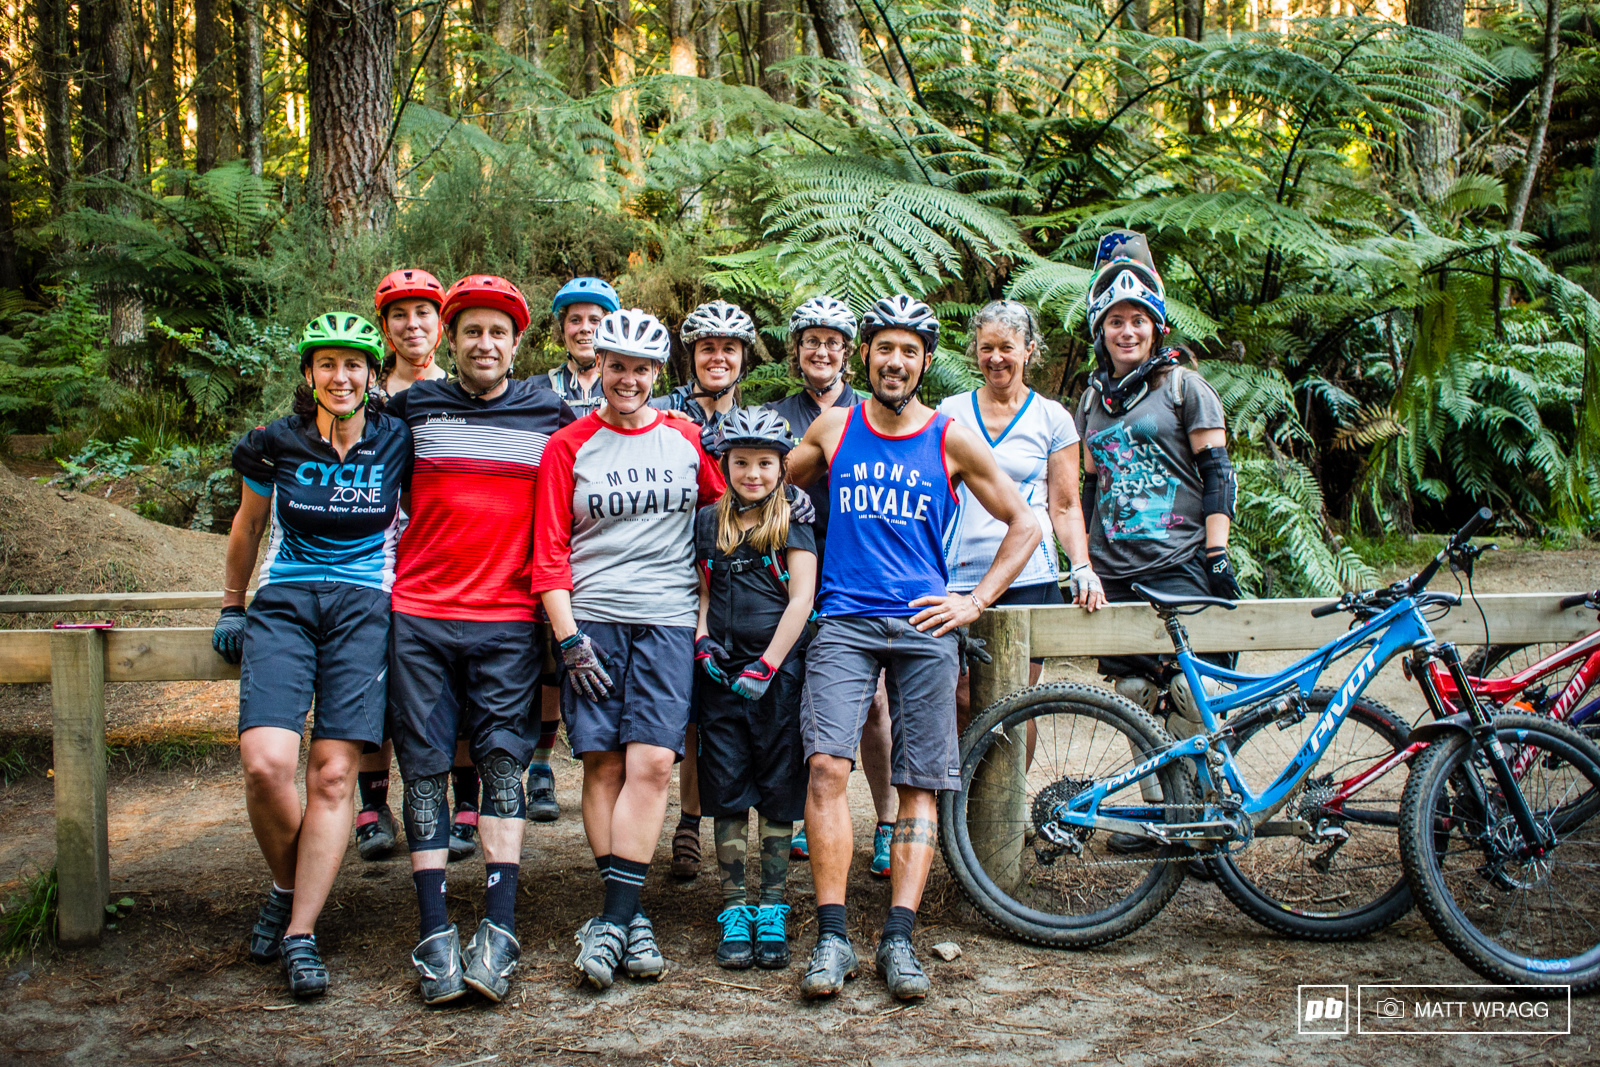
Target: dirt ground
x,y
1200,985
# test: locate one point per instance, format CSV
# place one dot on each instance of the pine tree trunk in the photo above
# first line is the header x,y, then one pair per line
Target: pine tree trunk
x,y
589,22
52,59
777,45
437,63
120,148
711,49
839,37
351,46
1435,139
625,104
247,73
810,47
1541,121
505,23
207,110
166,80
91,89
1194,28
8,230
681,58
538,30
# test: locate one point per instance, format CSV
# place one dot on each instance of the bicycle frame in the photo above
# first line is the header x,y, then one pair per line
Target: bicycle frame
x,y
1501,690
1399,628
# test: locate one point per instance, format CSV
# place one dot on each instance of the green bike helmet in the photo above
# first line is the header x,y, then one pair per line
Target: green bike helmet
x,y
341,329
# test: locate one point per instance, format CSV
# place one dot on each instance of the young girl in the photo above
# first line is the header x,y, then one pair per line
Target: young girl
x,y
759,570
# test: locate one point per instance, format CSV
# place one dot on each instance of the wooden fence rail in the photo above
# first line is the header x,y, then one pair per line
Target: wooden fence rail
x,y
78,664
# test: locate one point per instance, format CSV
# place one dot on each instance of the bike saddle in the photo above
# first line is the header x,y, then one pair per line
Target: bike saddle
x,y
1174,601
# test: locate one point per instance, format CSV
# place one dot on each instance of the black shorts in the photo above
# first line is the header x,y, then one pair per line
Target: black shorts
x,y
1182,579
751,755
450,678
322,643
1041,594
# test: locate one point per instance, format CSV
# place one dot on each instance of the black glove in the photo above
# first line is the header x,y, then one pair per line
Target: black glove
x,y
711,439
712,658
585,667
801,507
753,683
970,650
227,636
1219,575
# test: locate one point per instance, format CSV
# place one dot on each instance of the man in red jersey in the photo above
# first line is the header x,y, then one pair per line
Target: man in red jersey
x,y
462,609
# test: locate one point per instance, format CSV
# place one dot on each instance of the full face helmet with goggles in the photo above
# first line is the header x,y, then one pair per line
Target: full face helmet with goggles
x,y
718,319
338,329
1125,273
902,312
755,427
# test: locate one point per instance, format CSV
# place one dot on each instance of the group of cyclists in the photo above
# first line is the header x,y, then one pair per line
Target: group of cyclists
x,y
455,564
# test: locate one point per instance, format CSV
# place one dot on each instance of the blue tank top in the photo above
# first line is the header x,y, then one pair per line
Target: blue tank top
x,y
891,502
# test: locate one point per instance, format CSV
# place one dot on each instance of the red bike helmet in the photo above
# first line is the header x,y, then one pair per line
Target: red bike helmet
x,y
486,291
408,283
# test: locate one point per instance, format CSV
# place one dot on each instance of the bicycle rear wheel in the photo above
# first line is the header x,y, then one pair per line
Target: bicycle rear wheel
x,y
1348,881
989,829
1532,921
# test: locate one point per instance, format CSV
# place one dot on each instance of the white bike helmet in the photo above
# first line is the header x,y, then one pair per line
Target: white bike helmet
x,y
633,332
718,319
824,311
902,312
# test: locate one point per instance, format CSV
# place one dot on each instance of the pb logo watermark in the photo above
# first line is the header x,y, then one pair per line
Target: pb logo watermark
x,y
1324,1009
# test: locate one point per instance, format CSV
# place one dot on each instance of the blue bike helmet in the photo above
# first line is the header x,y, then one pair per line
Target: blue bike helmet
x,y
586,291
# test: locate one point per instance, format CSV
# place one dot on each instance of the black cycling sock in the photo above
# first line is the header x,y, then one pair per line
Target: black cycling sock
x,y
623,882
432,912
374,789
830,920
603,865
500,894
465,784
689,822
898,923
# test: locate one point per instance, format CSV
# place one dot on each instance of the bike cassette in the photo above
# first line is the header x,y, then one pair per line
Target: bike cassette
x,y
1054,838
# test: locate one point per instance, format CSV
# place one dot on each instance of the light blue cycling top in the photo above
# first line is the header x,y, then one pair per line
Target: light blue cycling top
x,y
891,503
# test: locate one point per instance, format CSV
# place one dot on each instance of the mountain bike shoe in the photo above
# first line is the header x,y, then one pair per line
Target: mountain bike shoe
x,y
897,962
642,958
375,833
542,805
881,839
488,960
833,962
463,835
266,937
600,948
302,963
437,959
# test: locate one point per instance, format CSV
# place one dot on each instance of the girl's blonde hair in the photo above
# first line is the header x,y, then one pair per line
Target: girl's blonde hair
x,y
770,534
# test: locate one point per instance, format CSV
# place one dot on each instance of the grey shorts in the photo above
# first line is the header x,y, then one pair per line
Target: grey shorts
x,y
652,677
920,673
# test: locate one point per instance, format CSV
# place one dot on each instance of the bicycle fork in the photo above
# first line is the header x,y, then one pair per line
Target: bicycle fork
x,y
1481,727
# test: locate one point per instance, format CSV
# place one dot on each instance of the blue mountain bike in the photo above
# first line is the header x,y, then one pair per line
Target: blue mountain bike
x,y
1306,837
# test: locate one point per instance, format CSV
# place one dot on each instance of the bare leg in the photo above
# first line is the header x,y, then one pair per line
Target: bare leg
x,y
911,851
641,806
876,745
502,839
270,755
379,760
602,782
325,828
829,834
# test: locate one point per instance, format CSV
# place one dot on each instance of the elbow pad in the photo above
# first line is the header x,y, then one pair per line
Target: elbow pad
x,y
1219,485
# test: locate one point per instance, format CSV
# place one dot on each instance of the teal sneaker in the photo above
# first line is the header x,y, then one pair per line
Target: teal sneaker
x,y
880,850
737,951
772,937
797,845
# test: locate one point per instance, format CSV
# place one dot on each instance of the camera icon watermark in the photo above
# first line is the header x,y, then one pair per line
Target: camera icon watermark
x,y
1390,1008
1323,1009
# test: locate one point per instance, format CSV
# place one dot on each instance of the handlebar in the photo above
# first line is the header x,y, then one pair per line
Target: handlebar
x,y
1580,600
1413,586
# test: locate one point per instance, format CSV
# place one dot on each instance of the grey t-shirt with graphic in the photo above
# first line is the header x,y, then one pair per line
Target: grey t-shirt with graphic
x,y
1148,513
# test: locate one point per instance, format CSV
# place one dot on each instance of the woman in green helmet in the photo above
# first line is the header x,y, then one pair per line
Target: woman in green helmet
x,y
328,478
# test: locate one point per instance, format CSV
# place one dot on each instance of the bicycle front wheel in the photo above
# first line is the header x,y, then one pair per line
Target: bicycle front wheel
x,y
1020,759
1512,918
1341,878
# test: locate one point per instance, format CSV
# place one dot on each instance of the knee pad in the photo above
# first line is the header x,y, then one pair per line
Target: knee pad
x,y
427,813
503,796
1141,691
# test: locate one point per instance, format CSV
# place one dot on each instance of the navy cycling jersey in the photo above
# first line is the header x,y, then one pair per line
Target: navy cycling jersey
x,y
333,520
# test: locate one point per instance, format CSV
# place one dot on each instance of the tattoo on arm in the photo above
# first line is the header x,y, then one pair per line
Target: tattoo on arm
x,y
914,832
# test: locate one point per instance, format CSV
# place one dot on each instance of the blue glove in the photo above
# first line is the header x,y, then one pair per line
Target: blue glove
x,y
711,657
753,682
801,508
227,636
585,667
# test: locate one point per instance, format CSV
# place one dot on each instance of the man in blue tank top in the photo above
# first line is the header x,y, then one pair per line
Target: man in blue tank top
x,y
893,465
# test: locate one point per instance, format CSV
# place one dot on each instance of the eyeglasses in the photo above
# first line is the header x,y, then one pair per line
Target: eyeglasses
x,y
811,344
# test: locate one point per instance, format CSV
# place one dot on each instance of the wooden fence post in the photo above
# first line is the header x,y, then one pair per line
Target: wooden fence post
x,y
997,805
83,861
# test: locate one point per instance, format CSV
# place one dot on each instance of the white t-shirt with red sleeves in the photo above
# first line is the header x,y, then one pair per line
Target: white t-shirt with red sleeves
x,y
614,519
